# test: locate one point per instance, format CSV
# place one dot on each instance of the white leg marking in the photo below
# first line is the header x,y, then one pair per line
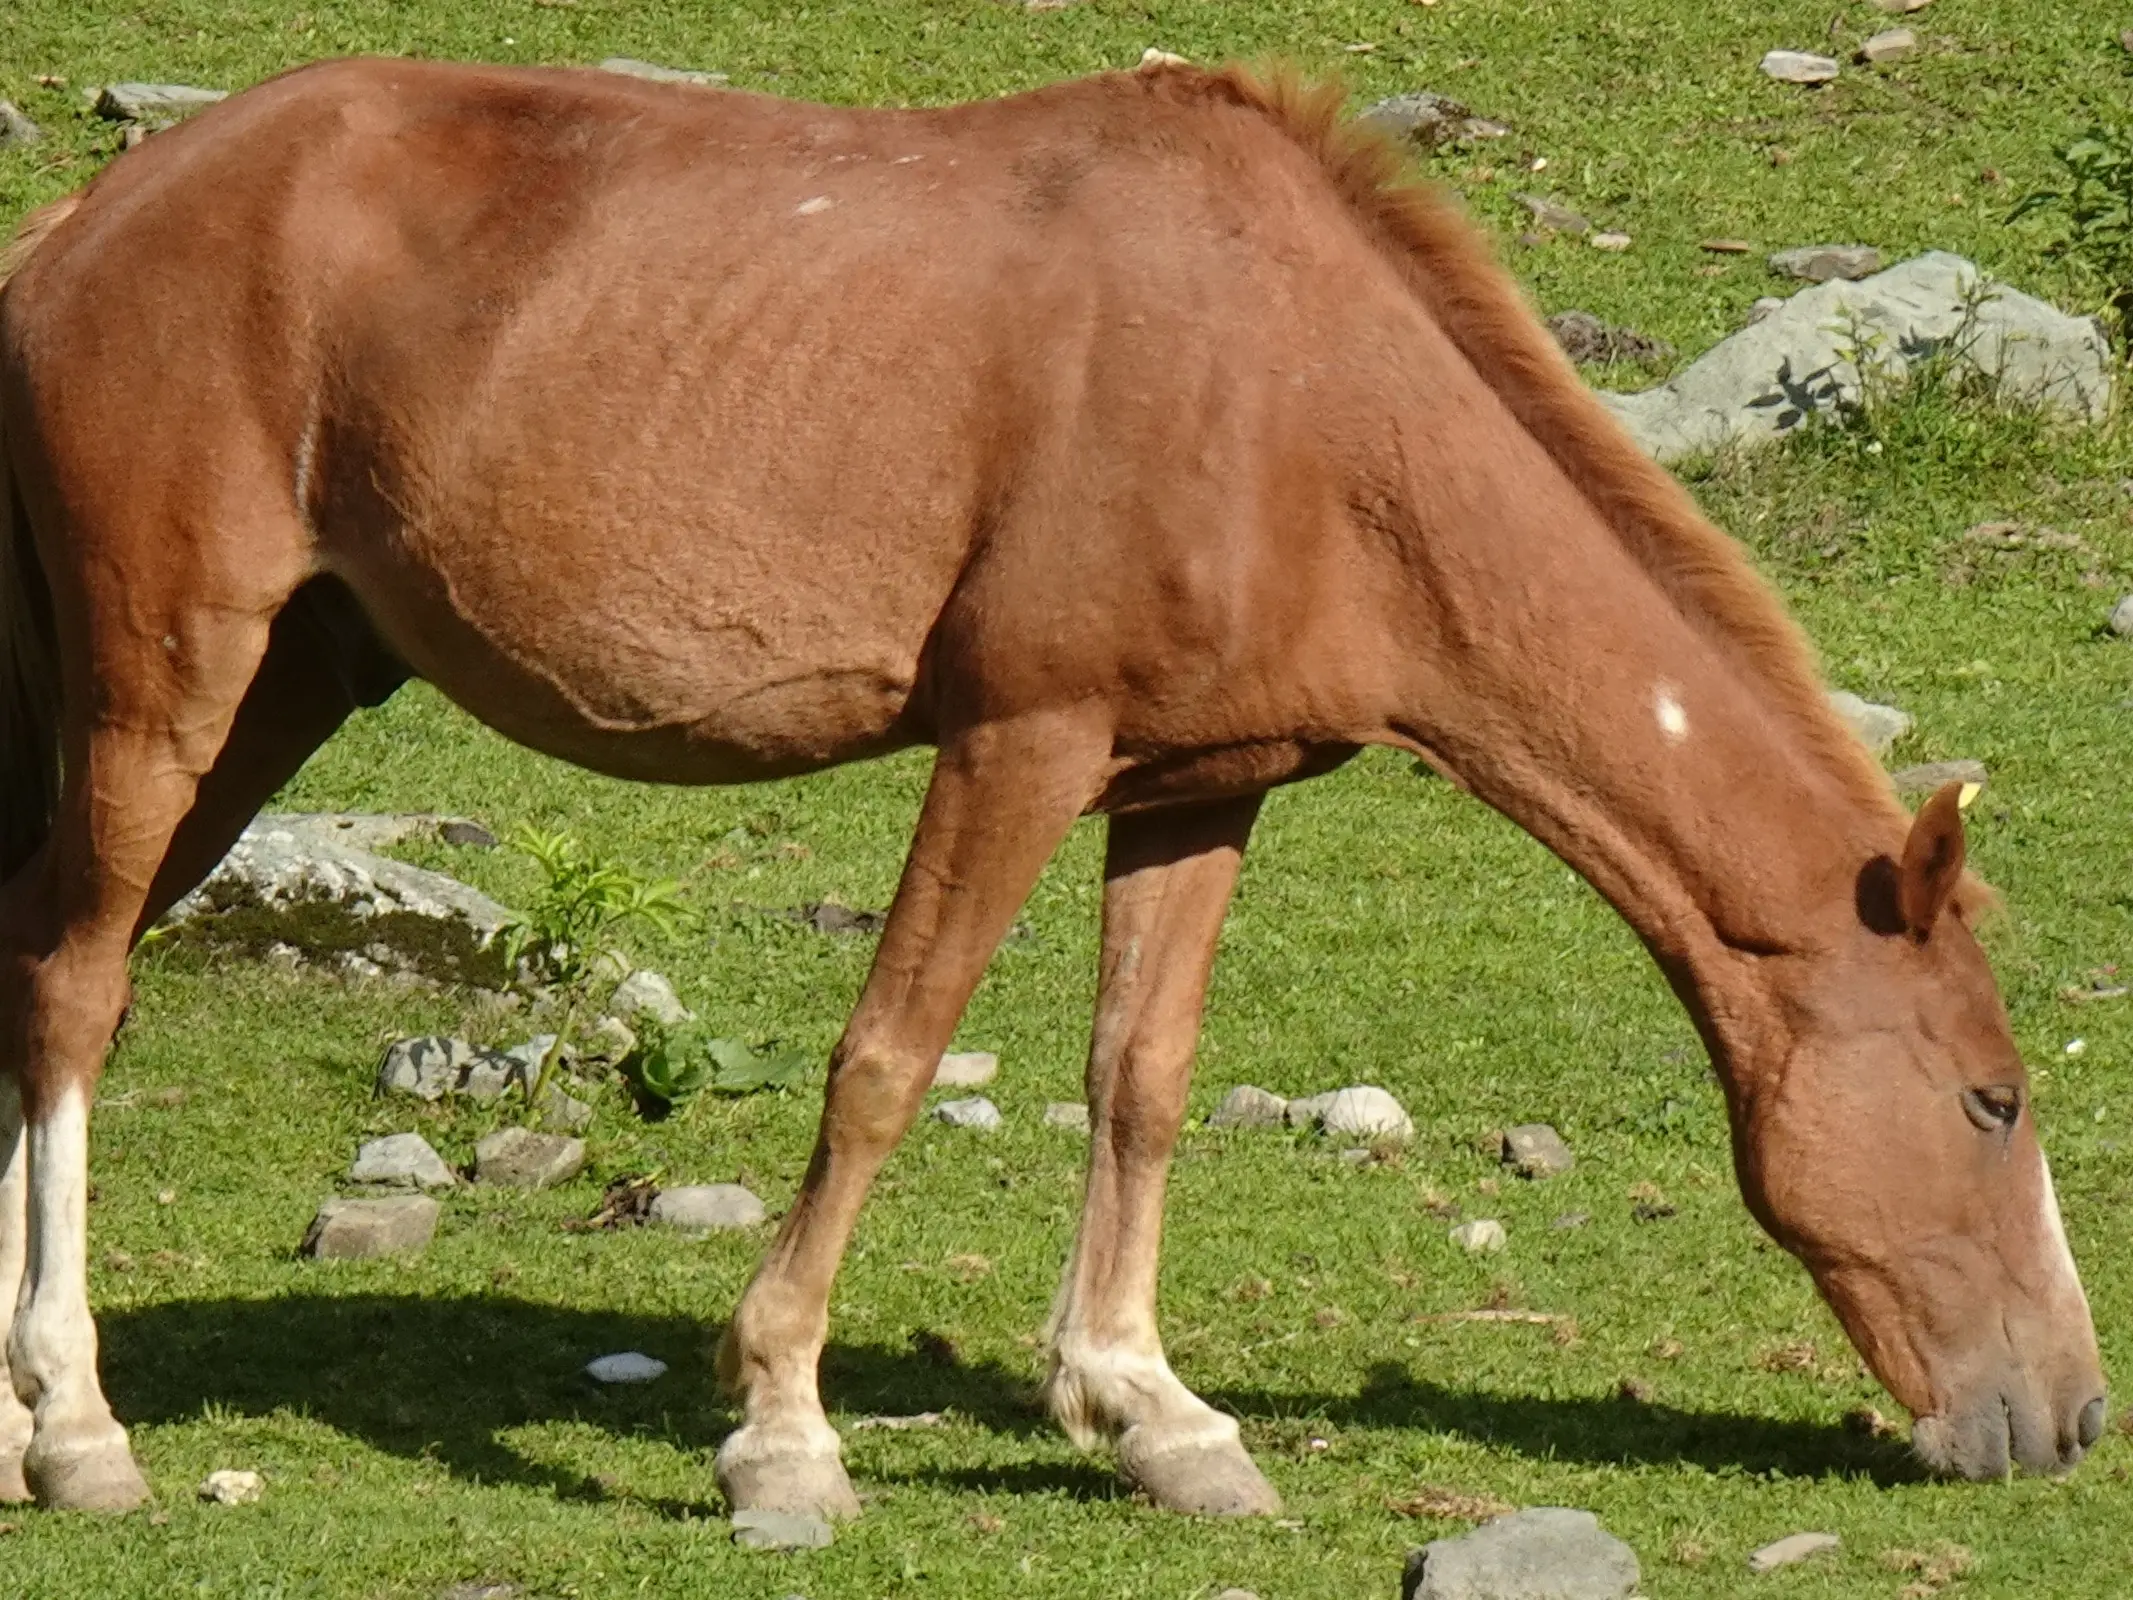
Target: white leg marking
x,y
15,1423
52,1347
1666,707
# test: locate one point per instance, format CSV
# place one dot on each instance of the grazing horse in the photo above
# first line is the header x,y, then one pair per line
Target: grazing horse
x,y
1139,443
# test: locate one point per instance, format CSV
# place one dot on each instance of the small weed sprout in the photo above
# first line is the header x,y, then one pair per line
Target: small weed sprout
x,y
2094,202
573,916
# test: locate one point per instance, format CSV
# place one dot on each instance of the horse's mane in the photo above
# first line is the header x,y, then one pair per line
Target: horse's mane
x,y
1477,304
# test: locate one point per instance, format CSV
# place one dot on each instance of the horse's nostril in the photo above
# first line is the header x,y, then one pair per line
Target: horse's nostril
x,y
2090,1428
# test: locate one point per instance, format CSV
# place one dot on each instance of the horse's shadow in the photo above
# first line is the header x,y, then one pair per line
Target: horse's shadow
x,y
450,1379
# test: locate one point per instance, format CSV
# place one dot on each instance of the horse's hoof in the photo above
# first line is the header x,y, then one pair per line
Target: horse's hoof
x,y
794,1482
1201,1480
100,1478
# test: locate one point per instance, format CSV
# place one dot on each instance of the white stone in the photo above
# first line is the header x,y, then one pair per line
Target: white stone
x,y
1069,1114
1878,727
153,102
2122,618
625,1366
229,1487
402,1158
1367,1112
644,993
1766,380
1249,1106
1610,241
1482,1237
704,1207
356,1230
975,1112
653,73
1799,66
966,1069
1306,1112
1792,1550
1891,44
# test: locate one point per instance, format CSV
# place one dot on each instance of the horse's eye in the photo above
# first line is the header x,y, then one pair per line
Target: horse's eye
x,y
1993,1109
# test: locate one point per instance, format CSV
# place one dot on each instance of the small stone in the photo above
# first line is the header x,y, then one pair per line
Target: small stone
x,y
1236,1594
153,102
480,1589
472,835
1249,1106
1072,1115
625,1366
1891,44
1584,337
1307,1112
1484,1236
1430,121
1799,66
15,128
1367,1112
231,1488
652,73
645,993
966,1069
1764,306
404,1159
1358,1157
519,1158
1571,1219
1821,263
1901,8
1726,247
780,1530
1152,57
1553,215
1792,1550
1610,241
703,1207
1924,779
613,1038
1877,726
428,1066
356,1230
975,1112
1535,1150
2122,618
1546,1551
564,1111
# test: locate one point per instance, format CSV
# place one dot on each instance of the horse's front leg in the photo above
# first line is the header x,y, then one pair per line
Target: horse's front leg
x,y
1167,882
1002,797
16,1424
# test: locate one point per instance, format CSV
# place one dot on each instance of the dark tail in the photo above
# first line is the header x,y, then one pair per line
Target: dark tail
x,y
29,643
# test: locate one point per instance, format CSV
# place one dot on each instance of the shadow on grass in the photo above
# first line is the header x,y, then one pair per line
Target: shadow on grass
x,y
447,1379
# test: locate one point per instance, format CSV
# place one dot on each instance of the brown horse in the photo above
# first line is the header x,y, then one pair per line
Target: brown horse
x,y
1139,444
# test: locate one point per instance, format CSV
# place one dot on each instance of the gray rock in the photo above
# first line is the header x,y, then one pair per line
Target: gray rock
x,y
644,993
313,882
1484,1236
1367,1112
705,1207
1878,727
1307,1112
658,74
1824,263
402,1159
1535,1150
15,128
1792,1550
1764,307
780,1530
1891,44
481,1590
613,1038
975,1112
1901,8
2122,618
1430,120
429,1066
625,1366
353,1230
966,1069
230,1487
565,1111
1547,1553
1612,239
1765,381
1554,215
1236,1594
1924,779
467,834
1249,1106
1799,66
519,1158
153,102
1069,1114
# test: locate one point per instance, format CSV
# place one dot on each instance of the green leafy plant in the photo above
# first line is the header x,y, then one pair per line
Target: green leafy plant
x,y
2094,201
670,1065
560,938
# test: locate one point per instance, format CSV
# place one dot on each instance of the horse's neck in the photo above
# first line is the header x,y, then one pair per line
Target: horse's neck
x,y
1554,677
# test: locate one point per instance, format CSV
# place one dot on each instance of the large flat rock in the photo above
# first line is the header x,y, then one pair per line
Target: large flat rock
x,y
1765,381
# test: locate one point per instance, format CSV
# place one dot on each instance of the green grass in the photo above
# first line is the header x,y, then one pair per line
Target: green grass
x,y
422,1423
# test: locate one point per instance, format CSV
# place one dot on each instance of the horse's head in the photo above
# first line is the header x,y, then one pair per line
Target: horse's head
x,y
1892,1149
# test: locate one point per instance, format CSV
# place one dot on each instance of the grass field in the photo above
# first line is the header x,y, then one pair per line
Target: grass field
x,y
424,1423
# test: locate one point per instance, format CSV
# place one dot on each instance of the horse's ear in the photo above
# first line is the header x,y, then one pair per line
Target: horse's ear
x,y
1932,860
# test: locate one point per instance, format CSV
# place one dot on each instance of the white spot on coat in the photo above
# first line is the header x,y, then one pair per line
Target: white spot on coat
x,y
814,207
1673,721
